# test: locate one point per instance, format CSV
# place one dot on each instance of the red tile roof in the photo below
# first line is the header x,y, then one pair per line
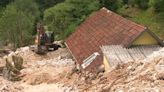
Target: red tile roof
x,y
103,27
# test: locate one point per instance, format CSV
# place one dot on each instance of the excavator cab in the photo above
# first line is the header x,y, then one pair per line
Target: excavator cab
x,y
44,40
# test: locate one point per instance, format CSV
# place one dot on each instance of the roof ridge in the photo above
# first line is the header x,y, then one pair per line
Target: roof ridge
x,y
104,8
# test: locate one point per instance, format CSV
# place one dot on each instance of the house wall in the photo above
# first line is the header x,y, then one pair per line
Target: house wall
x,y
106,63
145,39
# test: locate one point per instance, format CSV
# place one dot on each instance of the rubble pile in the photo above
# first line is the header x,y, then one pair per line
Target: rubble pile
x,y
57,73
46,71
143,76
7,86
30,56
40,71
49,88
146,75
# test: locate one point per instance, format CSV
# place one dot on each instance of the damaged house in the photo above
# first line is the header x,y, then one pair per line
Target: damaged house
x,y
105,27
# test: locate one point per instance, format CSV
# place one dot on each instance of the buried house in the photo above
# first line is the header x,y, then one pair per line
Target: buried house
x,y
114,55
105,27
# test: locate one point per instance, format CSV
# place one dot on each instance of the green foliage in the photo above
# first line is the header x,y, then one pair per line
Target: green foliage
x,y
81,9
18,17
70,30
125,1
132,2
29,7
1,11
64,16
158,5
149,18
143,4
112,4
44,4
3,3
58,18
16,25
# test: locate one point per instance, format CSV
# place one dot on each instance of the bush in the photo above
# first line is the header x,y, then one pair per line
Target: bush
x,y
58,18
3,3
111,4
158,5
125,1
64,17
142,4
17,22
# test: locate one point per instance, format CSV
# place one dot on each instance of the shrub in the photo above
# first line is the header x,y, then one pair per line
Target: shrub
x,y
112,4
157,4
142,4
64,17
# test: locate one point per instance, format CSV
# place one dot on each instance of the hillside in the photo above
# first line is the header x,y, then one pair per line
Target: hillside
x,y
149,18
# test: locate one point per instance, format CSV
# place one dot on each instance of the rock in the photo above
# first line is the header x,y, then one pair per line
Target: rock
x,y
100,75
61,43
162,89
11,54
160,76
12,67
101,68
129,68
59,57
120,91
159,68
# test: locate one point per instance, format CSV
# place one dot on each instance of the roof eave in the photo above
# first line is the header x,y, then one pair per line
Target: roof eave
x,y
151,33
130,44
156,37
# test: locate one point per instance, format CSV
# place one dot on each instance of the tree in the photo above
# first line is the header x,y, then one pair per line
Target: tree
x,y
143,4
44,4
58,18
111,4
158,5
3,3
16,25
29,7
81,9
66,16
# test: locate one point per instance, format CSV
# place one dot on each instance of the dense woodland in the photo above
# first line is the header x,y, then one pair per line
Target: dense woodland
x,y
18,18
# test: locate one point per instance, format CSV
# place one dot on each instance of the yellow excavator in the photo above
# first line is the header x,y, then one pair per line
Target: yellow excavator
x,y
44,40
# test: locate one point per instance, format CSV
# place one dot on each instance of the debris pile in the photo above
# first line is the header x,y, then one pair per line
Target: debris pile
x,y
11,70
57,73
46,71
30,56
49,88
138,76
7,86
40,72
